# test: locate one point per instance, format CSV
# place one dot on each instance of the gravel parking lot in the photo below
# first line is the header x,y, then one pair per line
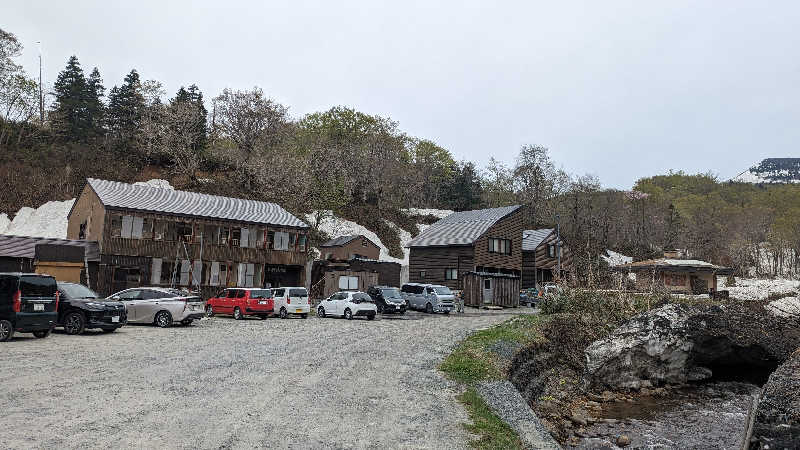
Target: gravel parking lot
x,y
221,383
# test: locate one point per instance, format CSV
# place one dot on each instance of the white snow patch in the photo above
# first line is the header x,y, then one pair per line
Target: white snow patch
x,y
615,259
4,223
47,221
757,288
785,307
156,182
439,213
337,227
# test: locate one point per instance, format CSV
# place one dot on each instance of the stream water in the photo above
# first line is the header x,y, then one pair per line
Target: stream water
x,y
707,416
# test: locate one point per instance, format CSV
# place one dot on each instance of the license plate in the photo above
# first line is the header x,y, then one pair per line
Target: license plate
x,y
298,310
38,307
262,303
115,319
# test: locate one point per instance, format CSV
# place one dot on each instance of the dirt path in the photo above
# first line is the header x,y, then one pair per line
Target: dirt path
x,y
321,383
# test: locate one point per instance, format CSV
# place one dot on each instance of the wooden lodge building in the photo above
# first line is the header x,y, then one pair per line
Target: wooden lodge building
x,y
483,241
345,248
540,249
676,275
156,236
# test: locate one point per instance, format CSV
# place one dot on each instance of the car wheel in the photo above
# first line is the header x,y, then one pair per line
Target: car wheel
x,y
321,312
304,316
6,330
262,316
163,319
74,323
186,322
371,317
41,334
109,330
283,313
348,314
209,311
446,313
237,313
429,308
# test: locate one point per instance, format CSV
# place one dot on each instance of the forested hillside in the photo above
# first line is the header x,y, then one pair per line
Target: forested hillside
x,y
361,166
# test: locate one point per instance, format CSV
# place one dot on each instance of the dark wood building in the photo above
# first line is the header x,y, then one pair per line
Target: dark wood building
x,y
486,240
540,263
66,260
344,248
382,273
156,236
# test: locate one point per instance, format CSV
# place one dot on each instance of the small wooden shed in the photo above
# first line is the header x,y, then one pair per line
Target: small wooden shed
x,y
342,280
490,289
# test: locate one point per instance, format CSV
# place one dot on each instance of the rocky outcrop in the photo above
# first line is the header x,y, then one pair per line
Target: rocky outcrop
x,y
679,343
777,419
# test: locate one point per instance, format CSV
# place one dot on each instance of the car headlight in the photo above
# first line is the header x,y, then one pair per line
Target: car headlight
x,y
95,305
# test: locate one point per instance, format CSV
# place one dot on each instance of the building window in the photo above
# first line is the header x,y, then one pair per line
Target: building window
x,y
116,226
260,238
281,241
147,228
270,240
422,274
553,250
159,230
224,235
364,243
167,269
137,227
502,246
82,231
171,232
301,244
184,231
292,241
244,237
223,274
127,226
236,236
348,283
451,274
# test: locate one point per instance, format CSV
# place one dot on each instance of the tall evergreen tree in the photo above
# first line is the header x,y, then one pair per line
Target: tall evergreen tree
x,y
96,109
125,107
194,96
71,103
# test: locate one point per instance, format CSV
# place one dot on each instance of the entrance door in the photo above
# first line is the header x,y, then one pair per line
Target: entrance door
x,y
488,294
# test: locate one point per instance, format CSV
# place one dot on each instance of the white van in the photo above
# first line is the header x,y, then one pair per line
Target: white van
x,y
291,300
430,298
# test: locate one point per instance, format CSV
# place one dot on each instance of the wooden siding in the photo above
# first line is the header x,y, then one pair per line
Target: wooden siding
x,y
541,261
354,247
436,260
87,208
505,291
510,228
330,282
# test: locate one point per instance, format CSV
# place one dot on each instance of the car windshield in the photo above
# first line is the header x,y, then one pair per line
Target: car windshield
x,y
443,290
391,293
361,297
34,286
298,293
261,293
77,291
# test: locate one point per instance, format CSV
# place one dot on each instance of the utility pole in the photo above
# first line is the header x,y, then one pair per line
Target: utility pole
x,y
558,243
41,95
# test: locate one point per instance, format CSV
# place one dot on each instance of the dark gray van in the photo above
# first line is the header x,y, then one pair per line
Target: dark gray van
x,y
28,304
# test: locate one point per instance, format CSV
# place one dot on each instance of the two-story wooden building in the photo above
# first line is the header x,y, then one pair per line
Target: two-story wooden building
x,y
157,236
484,241
543,255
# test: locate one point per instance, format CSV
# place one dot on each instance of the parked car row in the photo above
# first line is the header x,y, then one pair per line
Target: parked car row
x,y
260,302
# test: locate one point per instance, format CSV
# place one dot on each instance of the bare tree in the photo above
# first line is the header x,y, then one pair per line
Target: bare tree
x,y
250,120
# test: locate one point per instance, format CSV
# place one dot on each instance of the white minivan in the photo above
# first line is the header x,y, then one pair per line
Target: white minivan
x,y
430,298
291,300
348,305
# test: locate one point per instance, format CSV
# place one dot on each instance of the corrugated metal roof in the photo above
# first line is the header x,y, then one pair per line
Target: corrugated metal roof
x,y
25,247
461,228
532,238
666,263
114,194
341,240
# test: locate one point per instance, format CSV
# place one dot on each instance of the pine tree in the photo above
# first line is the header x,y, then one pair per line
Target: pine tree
x,y
70,107
194,96
125,107
96,109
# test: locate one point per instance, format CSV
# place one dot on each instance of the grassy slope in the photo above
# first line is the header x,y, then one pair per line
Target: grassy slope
x,y
472,362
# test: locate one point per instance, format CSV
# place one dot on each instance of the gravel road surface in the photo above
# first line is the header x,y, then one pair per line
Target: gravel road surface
x,y
222,383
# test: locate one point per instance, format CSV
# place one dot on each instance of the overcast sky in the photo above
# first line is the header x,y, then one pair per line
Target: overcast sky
x,y
621,90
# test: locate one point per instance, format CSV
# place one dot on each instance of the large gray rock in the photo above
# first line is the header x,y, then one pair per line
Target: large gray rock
x,y
777,419
679,343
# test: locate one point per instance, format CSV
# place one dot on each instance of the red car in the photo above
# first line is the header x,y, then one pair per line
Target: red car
x,y
241,302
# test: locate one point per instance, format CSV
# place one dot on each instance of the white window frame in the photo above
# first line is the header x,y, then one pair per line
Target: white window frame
x,y
137,227
127,227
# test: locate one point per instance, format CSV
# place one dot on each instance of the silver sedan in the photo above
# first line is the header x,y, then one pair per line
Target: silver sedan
x,y
160,306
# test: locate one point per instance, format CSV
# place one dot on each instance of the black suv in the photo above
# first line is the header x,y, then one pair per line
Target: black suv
x,y
387,299
28,304
80,308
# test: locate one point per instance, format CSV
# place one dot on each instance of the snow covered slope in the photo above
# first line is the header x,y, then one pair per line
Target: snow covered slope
x,y
440,213
772,170
758,288
48,220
